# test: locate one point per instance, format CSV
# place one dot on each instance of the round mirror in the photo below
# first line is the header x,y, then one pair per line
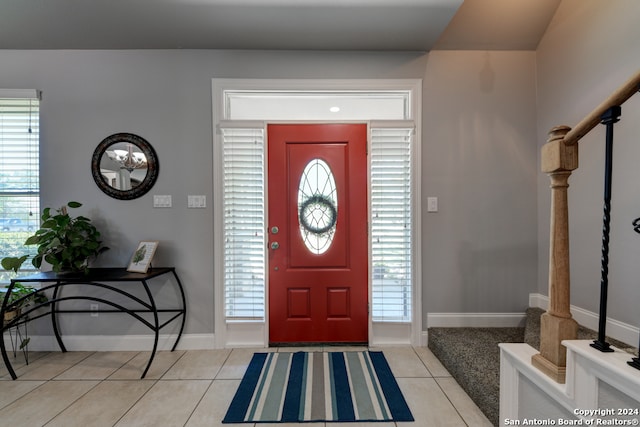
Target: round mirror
x,y
124,166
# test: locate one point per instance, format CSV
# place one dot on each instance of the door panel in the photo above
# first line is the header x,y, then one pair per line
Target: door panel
x,y
318,193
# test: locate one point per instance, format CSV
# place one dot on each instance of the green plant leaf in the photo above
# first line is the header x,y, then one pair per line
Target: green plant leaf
x,y
50,223
37,261
74,204
62,220
13,263
92,245
54,243
33,240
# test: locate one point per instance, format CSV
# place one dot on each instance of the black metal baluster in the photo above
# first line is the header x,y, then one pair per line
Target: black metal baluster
x,y
611,116
635,361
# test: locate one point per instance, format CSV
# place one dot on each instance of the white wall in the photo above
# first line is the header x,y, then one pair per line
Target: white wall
x,y
479,157
590,48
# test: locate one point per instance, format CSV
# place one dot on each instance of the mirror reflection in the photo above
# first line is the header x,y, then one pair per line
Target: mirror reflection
x,y
124,166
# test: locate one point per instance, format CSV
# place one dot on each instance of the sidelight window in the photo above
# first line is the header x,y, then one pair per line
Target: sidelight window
x,y
244,212
391,224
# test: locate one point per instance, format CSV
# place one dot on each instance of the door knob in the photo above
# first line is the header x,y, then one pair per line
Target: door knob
x,y
275,245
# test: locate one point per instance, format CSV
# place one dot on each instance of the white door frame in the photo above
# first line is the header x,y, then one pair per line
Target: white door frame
x,y
255,334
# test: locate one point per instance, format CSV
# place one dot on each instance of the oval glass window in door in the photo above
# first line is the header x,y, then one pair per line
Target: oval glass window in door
x,y
317,206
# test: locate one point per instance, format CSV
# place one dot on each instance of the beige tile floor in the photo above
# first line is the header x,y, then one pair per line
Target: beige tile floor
x,y
192,388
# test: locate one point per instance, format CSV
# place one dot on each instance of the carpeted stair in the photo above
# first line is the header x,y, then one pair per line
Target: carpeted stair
x,y
472,356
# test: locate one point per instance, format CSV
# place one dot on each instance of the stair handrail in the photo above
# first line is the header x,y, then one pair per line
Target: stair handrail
x,y
559,158
617,98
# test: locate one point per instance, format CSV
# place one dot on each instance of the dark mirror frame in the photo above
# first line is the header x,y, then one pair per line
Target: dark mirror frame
x,y
152,166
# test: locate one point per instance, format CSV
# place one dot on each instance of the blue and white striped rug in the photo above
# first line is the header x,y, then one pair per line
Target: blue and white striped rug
x,y
318,386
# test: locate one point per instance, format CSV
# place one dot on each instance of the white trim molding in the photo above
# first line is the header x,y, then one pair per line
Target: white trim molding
x,y
600,388
252,334
615,329
471,320
475,320
20,93
117,342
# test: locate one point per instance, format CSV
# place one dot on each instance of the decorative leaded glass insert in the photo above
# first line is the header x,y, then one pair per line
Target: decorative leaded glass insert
x,y
317,206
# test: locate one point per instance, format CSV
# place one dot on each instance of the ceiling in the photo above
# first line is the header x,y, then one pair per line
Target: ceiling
x,y
409,25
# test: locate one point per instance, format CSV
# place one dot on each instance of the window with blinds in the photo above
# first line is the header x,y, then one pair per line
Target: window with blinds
x,y
391,224
19,173
244,227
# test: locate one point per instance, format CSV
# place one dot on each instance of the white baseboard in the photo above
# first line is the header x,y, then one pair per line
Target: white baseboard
x,y
118,342
539,301
615,329
424,339
478,320
471,320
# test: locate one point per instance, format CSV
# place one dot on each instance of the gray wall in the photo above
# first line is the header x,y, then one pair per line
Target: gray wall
x,y
479,155
591,48
479,148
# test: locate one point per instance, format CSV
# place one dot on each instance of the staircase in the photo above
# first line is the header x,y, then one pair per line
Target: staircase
x,y
472,356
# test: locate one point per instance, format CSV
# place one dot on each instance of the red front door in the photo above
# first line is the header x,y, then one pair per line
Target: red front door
x,y
318,251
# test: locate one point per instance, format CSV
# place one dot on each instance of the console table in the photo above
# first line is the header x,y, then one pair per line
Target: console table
x,y
96,278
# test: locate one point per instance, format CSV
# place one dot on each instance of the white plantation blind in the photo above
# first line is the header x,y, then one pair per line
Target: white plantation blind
x,y
244,229
19,172
391,224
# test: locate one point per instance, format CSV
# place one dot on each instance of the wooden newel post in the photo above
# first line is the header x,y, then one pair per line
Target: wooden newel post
x,y
558,161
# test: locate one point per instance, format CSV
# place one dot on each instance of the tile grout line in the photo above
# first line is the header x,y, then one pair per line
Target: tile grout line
x,y
155,381
73,402
450,401
199,401
435,379
422,361
79,397
43,382
208,388
121,366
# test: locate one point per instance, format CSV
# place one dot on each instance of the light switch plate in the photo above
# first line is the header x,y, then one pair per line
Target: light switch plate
x,y
432,204
161,201
196,201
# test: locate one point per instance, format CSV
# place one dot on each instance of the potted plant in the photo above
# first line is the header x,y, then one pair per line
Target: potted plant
x,y
21,296
65,242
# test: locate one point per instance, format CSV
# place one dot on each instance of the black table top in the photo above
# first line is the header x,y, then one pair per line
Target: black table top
x,y
95,274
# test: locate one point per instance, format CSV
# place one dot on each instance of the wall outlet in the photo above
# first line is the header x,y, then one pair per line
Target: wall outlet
x,y
94,310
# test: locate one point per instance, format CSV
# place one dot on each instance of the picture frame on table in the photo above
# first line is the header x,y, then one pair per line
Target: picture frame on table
x,y
142,256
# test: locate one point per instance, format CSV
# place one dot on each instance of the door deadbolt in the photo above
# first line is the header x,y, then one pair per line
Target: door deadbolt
x,y
274,230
